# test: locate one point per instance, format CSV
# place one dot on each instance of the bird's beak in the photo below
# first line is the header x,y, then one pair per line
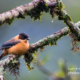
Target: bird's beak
x,y
28,39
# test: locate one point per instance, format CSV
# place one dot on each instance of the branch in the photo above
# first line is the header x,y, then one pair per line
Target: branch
x,y
53,76
8,63
29,57
63,15
32,9
50,40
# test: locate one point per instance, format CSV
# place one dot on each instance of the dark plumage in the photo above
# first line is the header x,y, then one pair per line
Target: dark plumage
x,y
23,36
9,44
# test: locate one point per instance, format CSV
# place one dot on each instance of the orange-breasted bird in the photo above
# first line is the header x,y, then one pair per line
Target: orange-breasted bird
x,y
18,45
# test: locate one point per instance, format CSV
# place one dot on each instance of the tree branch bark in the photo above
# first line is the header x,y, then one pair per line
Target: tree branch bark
x,y
33,9
50,40
63,15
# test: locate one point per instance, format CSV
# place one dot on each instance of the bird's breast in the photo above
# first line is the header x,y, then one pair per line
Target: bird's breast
x,y
19,49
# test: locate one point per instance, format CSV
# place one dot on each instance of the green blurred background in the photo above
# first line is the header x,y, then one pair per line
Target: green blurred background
x,y
38,30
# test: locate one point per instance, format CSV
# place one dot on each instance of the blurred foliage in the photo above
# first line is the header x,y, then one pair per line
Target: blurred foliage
x,y
59,74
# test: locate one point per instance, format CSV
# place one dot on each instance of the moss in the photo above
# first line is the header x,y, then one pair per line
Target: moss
x,y
78,37
29,59
65,33
56,37
30,56
21,16
62,15
1,23
60,4
66,18
9,21
36,12
13,68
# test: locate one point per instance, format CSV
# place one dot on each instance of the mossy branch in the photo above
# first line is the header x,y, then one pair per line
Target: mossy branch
x,y
63,15
32,9
12,62
49,40
41,44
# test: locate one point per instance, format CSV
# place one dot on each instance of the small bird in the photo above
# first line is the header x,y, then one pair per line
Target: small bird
x,y
18,45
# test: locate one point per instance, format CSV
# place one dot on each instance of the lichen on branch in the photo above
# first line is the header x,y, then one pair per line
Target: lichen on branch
x,y
12,62
63,15
51,40
32,9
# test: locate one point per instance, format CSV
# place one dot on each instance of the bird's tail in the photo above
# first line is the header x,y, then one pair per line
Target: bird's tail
x,y
1,56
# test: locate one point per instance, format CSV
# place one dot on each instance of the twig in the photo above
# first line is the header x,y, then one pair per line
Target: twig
x,y
53,76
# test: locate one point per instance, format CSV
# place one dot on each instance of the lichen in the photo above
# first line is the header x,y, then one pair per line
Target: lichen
x,y
74,41
30,56
36,12
13,67
9,21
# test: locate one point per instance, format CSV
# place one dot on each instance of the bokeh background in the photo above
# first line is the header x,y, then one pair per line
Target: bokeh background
x,y
38,30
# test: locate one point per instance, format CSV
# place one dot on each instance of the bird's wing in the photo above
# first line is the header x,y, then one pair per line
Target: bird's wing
x,y
9,44
13,39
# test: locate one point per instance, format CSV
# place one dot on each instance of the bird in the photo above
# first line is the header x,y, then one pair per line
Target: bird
x,y
17,45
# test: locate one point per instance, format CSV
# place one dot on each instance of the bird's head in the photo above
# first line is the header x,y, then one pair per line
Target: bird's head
x,y
23,36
